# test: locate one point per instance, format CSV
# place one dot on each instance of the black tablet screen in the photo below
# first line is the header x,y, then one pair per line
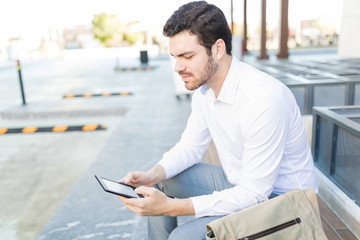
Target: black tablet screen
x,y
119,188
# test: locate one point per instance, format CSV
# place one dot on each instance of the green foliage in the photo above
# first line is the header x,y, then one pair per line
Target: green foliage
x,y
131,38
106,27
110,31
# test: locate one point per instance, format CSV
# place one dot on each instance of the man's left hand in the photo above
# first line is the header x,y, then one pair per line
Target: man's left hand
x,y
156,203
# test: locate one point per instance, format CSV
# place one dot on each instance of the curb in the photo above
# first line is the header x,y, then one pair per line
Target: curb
x,y
344,207
59,128
134,69
88,95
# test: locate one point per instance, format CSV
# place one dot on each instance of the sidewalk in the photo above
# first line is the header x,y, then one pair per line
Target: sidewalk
x,y
62,199
153,123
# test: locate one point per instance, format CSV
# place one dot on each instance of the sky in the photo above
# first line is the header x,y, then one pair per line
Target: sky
x,y
32,18
20,15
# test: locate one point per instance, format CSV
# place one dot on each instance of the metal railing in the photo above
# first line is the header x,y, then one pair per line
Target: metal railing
x,y
305,78
336,146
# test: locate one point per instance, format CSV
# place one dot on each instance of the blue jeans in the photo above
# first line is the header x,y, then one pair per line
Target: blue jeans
x,y
200,179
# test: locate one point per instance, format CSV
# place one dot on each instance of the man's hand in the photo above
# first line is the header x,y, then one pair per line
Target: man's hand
x,y
149,178
137,179
157,203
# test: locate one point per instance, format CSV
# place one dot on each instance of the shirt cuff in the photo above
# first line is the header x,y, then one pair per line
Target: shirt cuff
x,y
168,166
203,205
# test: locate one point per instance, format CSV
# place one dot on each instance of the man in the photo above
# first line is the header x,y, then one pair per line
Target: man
x,y
252,118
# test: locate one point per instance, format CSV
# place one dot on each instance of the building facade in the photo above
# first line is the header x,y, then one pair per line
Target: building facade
x,y
349,42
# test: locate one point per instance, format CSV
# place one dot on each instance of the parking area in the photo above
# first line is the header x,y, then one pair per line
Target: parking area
x,y
47,178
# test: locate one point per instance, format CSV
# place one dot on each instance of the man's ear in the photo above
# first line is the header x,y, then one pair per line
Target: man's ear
x,y
219,49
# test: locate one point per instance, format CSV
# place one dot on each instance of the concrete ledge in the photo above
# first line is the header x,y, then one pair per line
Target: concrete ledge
x,y
344,207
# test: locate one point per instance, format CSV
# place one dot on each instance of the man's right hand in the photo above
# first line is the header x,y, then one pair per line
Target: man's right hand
x,y
149,178
137,179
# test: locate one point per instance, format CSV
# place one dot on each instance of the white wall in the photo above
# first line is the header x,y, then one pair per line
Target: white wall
x,y
349,42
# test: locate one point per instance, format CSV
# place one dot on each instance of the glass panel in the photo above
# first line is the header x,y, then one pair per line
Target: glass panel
x,y
357,94
322,95
299,93
347,164
322,146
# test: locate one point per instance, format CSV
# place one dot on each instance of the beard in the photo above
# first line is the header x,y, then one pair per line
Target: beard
x,y
207,73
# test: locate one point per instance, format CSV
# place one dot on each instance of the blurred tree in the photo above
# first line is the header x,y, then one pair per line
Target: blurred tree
x,y
131,38
107,27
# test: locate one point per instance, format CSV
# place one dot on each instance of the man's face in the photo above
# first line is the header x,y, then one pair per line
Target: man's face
x,y
193,63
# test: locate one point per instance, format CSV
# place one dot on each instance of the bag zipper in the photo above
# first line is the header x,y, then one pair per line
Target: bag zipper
x,y
272,230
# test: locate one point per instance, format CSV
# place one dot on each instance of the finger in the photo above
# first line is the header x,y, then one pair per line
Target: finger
x,y
121,198
127,204
136,176
127,201
124,200
127,179
148,191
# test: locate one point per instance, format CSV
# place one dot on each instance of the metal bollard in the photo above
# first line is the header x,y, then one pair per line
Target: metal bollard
x,y
21,83
144,57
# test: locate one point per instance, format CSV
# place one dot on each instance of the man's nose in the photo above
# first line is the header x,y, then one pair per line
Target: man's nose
x,y
179,65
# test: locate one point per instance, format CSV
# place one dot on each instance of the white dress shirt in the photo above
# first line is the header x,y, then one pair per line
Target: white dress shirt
x,y
259,135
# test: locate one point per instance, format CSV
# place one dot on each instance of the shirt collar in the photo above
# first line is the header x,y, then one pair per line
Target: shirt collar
x,y
229,88
203,89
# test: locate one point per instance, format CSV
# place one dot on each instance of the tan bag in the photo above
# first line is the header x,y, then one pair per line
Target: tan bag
x,y
291,216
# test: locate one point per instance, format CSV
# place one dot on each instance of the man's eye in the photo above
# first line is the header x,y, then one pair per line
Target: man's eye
x,y
189,56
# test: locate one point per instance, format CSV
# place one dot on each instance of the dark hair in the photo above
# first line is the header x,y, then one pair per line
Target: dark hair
x,y
202,19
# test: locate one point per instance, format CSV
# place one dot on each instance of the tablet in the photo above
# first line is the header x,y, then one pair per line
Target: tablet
x,y
118,188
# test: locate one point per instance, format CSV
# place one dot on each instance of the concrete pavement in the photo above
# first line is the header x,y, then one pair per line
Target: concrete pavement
x,y
49,186
152,125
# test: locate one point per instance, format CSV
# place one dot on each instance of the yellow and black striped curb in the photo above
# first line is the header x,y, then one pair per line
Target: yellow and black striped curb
x,y
134,69
88,95
60,128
